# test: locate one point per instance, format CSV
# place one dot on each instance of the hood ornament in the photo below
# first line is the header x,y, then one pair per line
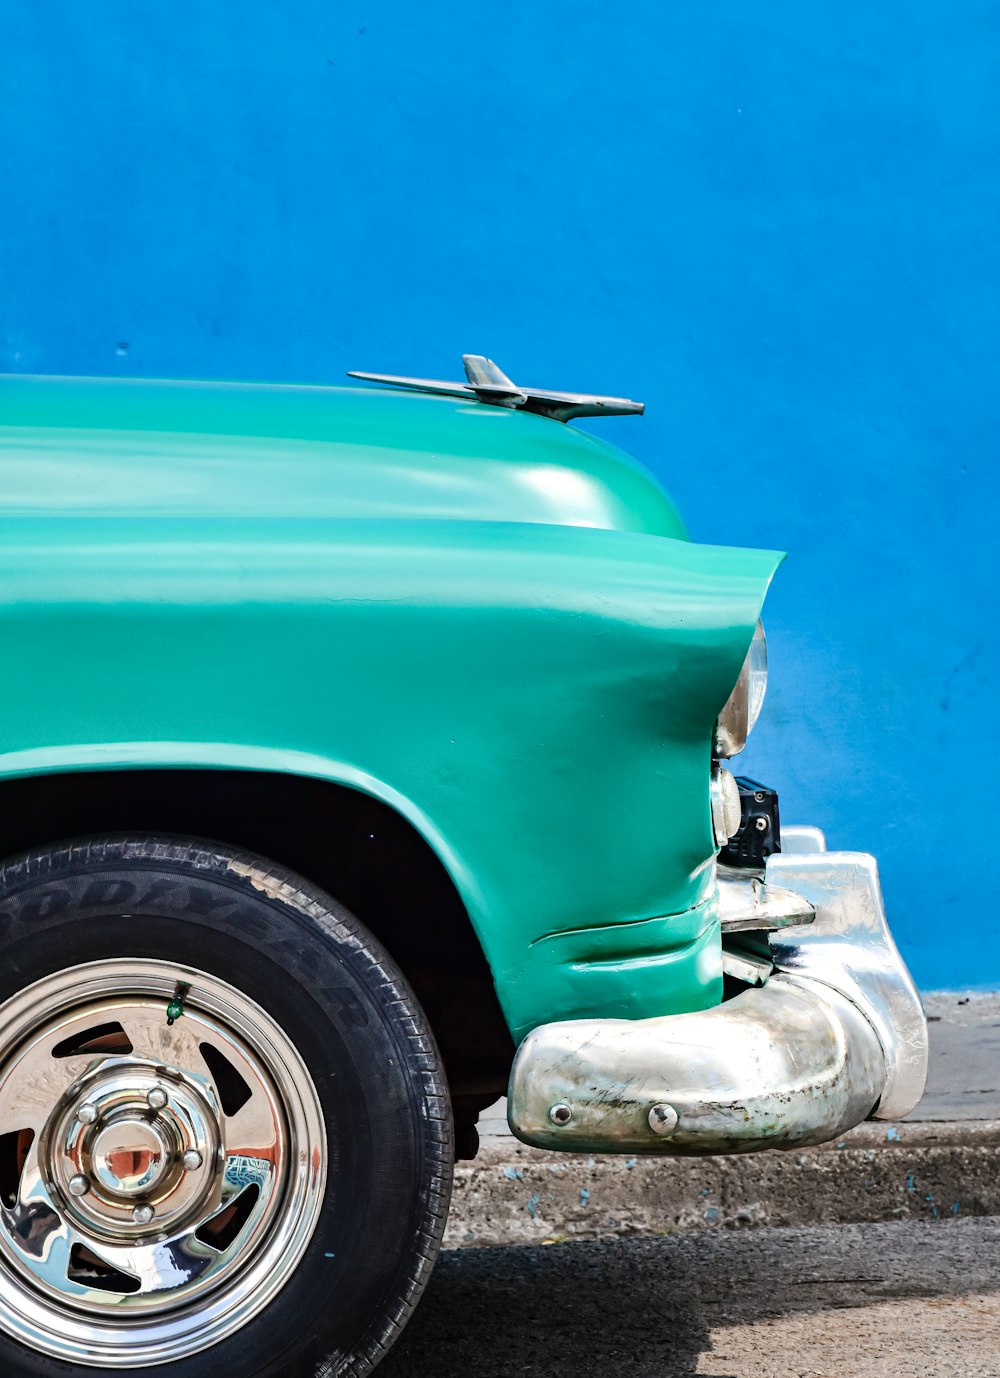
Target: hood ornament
x,y
487,383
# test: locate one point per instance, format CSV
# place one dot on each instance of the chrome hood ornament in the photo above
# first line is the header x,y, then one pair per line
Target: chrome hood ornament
x,y
487,383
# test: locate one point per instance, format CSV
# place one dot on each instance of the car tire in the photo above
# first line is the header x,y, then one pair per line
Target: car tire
x,y
225,1134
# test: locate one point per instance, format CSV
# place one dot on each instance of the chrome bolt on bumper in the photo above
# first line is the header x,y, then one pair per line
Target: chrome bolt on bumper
x,y
663,1119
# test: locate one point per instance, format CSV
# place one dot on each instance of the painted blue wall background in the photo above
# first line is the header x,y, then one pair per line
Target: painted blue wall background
x,y
775,224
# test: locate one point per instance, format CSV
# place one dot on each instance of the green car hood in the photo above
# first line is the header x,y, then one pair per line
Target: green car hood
x,y
126,448
405,596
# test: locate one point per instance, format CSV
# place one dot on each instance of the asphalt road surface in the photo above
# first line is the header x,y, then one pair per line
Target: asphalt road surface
x,y
917,1300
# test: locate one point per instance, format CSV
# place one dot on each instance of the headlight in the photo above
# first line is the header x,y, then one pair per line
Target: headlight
x,y
744,703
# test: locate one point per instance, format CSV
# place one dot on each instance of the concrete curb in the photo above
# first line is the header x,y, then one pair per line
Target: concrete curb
x,y
517,1195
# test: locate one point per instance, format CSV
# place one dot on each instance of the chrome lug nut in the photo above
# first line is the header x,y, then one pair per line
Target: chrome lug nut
x,y
78,1185
143,1215
87,1114
157,1098
192,1160
663,1119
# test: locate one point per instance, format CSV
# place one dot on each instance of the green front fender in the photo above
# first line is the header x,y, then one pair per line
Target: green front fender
x,y
538,700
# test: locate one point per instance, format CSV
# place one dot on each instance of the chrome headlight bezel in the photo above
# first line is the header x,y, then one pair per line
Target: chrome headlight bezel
x,y
735,723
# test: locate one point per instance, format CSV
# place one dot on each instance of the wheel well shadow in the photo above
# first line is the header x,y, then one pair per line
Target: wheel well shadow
x,y
356,848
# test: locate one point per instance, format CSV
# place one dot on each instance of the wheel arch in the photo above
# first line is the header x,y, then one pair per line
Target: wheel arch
x,y
344,832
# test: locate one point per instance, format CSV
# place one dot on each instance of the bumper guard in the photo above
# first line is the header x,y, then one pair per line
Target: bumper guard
x,y
834,1035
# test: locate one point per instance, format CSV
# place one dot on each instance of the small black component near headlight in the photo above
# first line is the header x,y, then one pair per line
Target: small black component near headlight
x,y
760,829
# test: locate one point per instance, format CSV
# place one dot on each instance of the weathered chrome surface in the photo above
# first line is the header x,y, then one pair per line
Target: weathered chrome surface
x,y
779,1066
748,902
746,966
849,947
488,383
111,1247
835,1035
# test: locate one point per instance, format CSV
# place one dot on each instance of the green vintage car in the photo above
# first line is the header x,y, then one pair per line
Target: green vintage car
x,y
361,761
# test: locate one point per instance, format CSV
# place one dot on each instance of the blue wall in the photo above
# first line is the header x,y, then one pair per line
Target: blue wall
x,y
776,224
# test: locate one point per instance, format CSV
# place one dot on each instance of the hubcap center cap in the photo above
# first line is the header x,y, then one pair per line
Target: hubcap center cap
x,y
129,1156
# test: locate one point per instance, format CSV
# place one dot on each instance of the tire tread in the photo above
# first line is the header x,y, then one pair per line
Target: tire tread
x,y
387,987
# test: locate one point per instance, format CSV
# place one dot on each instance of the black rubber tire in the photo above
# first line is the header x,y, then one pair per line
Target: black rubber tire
x,y
338,995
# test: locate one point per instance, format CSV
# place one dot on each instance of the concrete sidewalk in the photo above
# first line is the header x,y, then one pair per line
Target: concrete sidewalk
x,y
943,1160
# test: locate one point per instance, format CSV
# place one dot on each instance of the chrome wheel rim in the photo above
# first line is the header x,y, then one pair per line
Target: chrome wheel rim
x,y
159,1180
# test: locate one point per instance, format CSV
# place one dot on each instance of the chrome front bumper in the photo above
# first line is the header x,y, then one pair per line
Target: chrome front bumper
x,y
833,1034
